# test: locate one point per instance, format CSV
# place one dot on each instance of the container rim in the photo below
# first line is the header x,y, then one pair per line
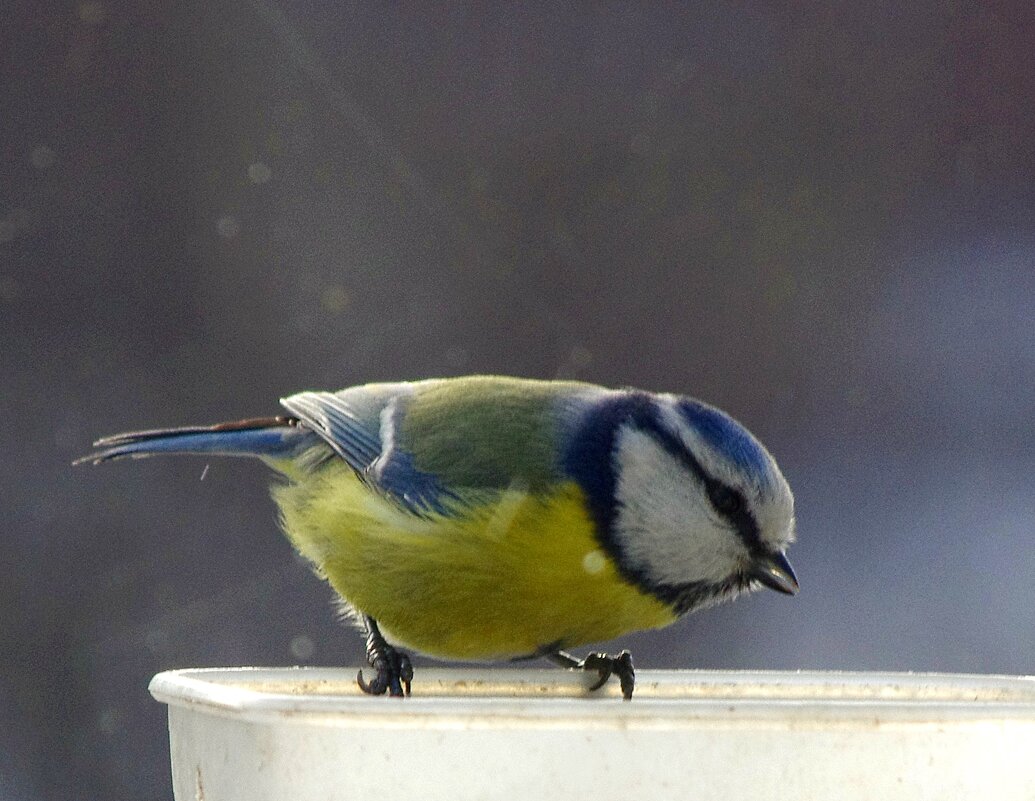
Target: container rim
x,y
521,694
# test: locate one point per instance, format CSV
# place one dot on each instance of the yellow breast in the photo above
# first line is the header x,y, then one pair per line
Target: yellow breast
x,y
513,574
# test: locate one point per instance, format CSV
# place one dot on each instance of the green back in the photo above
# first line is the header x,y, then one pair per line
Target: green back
x,y
489,432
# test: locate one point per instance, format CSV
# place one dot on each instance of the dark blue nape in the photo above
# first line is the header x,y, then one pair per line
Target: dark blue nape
x,y
589,459
726,436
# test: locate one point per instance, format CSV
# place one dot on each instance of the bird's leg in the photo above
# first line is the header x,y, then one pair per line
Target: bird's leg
x,y
394,671
620,665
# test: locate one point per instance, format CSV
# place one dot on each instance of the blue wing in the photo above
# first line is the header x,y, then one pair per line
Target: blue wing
x,y
329,416
357,424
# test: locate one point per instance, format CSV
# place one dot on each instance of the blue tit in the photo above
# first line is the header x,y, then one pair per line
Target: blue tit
x,y
491,518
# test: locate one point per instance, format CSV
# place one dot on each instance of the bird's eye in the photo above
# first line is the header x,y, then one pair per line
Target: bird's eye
x,y
725,500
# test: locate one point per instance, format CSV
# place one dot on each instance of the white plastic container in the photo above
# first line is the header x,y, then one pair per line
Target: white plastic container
x,y
254,734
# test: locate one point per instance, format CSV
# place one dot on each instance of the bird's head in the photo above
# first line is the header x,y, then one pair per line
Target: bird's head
x,y
696,509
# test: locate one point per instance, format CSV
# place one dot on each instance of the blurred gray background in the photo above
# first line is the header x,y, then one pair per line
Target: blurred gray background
x,y
820,216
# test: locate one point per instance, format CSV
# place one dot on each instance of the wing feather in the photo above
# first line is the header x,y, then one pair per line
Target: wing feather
x,y
330,416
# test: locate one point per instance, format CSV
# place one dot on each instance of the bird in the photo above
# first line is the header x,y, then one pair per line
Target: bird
x,y
490,518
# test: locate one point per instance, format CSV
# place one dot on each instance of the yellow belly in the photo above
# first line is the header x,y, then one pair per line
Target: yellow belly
x,y
513,575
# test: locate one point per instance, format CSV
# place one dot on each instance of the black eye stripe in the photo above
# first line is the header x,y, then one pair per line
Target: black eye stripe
x,y
727,501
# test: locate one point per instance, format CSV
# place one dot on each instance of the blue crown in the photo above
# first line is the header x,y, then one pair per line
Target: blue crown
x,y
728,437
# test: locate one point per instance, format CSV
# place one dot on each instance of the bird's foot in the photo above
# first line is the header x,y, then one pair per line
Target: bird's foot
x,y
393,669
393,674
620,665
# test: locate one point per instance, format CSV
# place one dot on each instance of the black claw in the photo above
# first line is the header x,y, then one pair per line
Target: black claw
x,y
378,685
605,666
623,668
405,671
393,669
602,664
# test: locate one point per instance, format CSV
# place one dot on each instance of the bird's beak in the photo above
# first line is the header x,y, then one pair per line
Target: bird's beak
x,y
773,570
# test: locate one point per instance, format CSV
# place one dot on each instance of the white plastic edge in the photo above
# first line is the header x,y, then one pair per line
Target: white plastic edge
x,y
552,695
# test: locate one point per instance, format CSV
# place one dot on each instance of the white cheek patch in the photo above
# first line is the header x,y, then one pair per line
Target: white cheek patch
x,y
770,500
665,526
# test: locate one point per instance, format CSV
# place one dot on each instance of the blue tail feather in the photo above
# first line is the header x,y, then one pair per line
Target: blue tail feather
x,y
271,437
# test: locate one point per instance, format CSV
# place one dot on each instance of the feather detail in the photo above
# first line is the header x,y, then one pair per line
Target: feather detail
x,y
272,437
331,417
